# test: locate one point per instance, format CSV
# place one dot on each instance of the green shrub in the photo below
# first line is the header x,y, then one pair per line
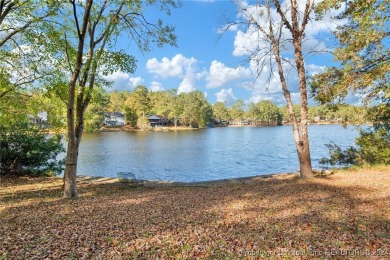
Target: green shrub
x,y
25,150
349,156
372,147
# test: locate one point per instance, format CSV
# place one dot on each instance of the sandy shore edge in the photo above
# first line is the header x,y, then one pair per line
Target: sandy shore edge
x,y
211,183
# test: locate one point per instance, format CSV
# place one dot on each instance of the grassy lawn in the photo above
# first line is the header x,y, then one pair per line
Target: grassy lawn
x,y
347,213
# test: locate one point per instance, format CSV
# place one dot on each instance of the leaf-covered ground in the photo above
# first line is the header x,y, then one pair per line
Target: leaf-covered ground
x,y
346,214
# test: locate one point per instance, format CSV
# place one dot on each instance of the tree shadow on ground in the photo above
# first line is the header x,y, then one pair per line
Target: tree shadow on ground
x,y
263,218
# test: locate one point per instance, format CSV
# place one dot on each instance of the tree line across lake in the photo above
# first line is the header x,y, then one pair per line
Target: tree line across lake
x,y
184,109
192,109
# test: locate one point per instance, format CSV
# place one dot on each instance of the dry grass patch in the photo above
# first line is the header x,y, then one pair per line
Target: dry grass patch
x,y
280,217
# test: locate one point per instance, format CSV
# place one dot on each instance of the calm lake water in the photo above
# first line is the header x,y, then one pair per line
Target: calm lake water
x,y
199,155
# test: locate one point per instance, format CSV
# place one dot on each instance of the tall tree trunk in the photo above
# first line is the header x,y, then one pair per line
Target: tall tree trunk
x,y
306,170
74,137
300,133
70,185
274,32
74,134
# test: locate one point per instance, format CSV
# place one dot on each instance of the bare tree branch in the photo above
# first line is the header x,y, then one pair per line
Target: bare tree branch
x,y
76,19
308,9
67,54
282,15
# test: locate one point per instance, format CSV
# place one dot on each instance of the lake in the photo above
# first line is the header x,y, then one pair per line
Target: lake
x,y
205,154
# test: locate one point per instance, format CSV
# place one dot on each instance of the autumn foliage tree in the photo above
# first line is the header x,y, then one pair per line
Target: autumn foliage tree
x,y
364,55
264,113
221,111
86,38
137,106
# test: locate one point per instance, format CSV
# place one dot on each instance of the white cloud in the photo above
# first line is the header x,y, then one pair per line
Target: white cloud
x,y
219,74
269,87
176,67
260,97
123,81
233,27
226,95
179,67
156,86
250,40
137,81
312,69
186,86
244,43
274,98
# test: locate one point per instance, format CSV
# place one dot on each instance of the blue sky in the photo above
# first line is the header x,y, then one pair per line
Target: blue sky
x,y
216,64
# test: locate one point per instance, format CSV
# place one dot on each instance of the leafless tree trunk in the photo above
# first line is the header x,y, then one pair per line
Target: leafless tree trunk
x,y
272,34
297,31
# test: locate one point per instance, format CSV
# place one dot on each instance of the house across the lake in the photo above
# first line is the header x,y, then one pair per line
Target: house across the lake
x,y
41,119
114,118
157,121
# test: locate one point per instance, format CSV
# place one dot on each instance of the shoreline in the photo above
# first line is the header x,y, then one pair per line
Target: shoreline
x,y
180,128
209,183
127,128
132,129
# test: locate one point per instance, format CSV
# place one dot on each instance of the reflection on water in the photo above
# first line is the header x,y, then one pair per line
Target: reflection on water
x,y
198,155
